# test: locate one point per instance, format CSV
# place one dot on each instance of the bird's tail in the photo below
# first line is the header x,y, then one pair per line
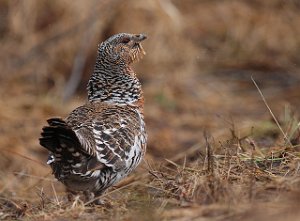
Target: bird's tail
x,y
61,141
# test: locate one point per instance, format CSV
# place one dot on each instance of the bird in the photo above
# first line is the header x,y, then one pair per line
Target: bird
x,y
104,140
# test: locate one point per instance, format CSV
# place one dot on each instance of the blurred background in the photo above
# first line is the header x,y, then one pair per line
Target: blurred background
x,y
196,75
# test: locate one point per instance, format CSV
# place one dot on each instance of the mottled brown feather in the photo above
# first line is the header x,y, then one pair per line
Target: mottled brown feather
x,y
102,141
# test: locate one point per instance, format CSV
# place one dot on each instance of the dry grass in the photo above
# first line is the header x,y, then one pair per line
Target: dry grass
x,y
196,77
228,183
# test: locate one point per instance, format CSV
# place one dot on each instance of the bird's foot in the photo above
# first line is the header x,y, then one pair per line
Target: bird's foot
x,y
92,199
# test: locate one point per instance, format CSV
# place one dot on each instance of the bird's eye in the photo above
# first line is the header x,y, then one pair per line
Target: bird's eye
x,y
125,40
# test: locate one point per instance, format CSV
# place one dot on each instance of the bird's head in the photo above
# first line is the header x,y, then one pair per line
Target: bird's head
x,y
122,48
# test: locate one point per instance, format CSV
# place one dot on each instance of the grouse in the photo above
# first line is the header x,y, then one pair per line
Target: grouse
x,y
102,141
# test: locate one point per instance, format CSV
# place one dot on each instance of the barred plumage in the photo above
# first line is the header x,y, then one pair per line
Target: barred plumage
x,y
102,141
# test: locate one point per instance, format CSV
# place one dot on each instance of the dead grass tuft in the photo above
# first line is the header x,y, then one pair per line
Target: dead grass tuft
x,y
231,180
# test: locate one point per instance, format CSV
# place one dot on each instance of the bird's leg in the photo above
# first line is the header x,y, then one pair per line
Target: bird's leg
x,y
88,196
94,197
98,200
71,195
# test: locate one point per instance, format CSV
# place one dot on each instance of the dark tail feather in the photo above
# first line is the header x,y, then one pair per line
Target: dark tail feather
x,y
57,122
61,140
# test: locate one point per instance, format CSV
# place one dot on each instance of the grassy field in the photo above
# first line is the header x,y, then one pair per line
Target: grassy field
x,y
219,147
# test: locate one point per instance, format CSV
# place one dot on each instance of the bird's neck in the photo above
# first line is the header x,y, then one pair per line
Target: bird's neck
x,y
114,83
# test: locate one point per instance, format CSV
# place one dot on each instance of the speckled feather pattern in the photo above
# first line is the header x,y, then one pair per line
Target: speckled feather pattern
x,y
102,141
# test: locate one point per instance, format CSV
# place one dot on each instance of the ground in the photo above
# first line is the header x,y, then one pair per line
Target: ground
x,y
219,147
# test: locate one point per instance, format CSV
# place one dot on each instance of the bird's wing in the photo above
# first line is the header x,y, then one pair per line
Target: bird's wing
x,y
116,132
110,133
80,122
